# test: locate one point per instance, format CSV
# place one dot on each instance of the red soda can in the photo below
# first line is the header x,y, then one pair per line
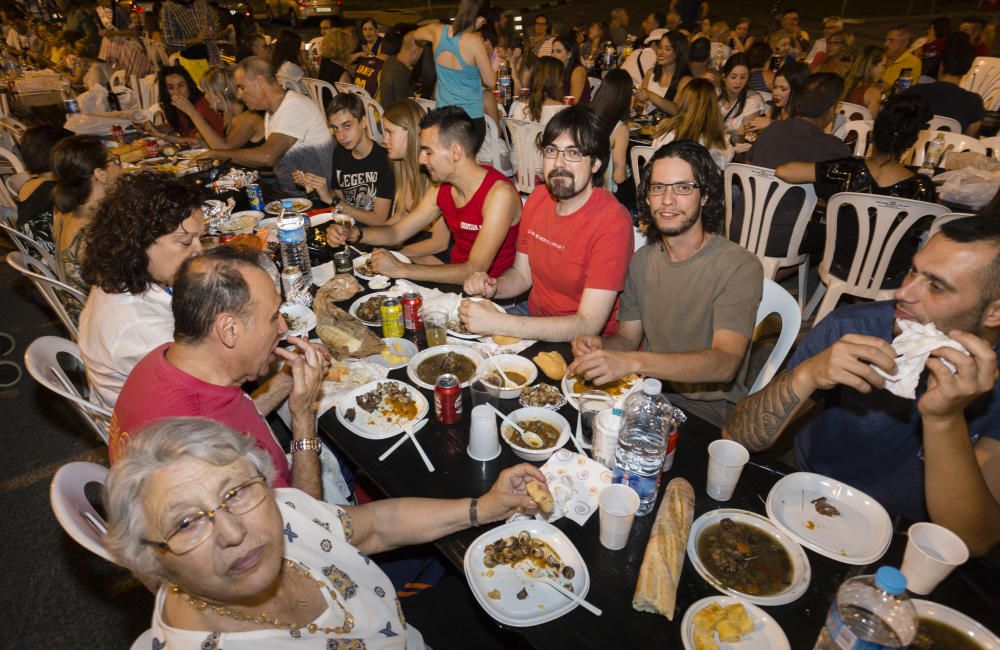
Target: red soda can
x,y
412,302
152,148
118,134
569,100
448,399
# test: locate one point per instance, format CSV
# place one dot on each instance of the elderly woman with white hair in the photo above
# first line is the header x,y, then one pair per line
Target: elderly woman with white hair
x,y
241,565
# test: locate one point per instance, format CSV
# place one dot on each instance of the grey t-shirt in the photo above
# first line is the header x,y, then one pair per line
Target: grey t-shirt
x,y
682,304
394,85
795,140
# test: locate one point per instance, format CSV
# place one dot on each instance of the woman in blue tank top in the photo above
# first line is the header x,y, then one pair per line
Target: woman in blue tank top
x,y
463,67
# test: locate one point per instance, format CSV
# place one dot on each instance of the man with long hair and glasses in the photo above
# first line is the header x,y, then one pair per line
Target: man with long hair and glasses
x,y
690,297
933,456
573,246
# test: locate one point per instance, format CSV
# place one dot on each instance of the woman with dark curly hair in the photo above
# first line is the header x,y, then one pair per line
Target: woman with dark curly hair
x,y
132,256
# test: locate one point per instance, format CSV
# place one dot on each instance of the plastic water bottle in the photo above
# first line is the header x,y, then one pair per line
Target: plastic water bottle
x,y
294,252
935,148
506,85
870,612
642,443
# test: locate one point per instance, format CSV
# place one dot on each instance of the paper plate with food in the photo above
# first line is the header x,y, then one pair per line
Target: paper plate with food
x,y
396,353
363,264
289,205
507,567
368,308
380,409
724,623
427,365
300,319
343,377
830,517
943,627
573,386
743,554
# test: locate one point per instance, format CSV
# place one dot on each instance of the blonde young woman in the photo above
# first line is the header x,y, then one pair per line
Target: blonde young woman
x,y
546,92
242,127
861,82
401,126
697,119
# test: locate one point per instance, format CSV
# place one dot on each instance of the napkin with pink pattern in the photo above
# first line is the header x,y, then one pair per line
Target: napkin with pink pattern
x,y
574,481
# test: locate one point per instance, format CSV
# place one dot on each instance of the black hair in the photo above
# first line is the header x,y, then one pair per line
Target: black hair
x,y
796,74
349,102
73,161
789,10
681,68
942,26
758,54
36,146
208,285
169,110
899,122
392,42
660,18
569,44
975,20
821,92
734,61
957,56
469,11
454,126
490,35
706,176
589,132
286,48
613,98
700,50
983,228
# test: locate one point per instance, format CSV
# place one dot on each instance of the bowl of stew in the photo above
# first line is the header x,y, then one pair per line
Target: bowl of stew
x,y
548,425
520,371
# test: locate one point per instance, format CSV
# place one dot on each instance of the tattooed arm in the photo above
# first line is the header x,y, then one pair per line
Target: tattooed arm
x,y
759,419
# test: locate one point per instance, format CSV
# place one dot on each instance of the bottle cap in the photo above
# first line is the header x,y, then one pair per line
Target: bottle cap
x,y
890,580
652,386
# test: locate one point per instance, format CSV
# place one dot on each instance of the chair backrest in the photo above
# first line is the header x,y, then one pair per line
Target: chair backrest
x,y
992,145
315,89
945,218
846,112
28,244
492,144
775,300
640,155
76,515
527,155
762,192
595,84
345,87
881,222
117,78
42,360
862,130
11,168
374,111
983,78
426,104
288,83
49,286
944,123
14,127
957,142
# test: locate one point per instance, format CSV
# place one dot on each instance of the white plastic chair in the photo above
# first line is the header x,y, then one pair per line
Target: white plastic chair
x,y
983,78
595,84
426,104
846,112
767,97
345,87
49,286
14,127
29,245
775,300
42,361
527,155
957,141
76,515
640,154
882,223
992,145
762,192
943,123
117,78
492,140
288,83
945,218
374,111
862,130
315,89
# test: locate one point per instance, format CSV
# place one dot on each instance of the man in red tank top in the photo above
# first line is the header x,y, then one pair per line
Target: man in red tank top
x,y
479,204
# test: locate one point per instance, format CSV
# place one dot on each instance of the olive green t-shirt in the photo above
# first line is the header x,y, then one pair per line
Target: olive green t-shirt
x,y
682,304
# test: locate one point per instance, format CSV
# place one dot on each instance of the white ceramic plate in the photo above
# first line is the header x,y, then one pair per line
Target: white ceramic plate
x,y
465,350
361,259
801,572
973,630
543,603
376,426
766,635
301,320
860,534
396,346
353,309
296,205
567,389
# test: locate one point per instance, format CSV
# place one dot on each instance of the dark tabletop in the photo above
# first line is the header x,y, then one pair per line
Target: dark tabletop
x,y
971,589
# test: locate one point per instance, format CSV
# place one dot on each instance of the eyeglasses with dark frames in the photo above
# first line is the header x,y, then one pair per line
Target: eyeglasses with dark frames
x,y
570,154
680,188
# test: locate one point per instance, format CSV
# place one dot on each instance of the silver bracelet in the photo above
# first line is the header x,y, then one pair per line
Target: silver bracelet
x,y
474,512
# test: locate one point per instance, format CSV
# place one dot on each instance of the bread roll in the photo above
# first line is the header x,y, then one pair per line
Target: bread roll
x,y
659,576
552,364
500,339
541,495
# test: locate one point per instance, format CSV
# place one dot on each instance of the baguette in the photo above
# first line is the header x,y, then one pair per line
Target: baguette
x,y
659,576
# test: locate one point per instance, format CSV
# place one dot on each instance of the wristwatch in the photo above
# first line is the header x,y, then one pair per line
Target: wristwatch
x,y
361,235
306,444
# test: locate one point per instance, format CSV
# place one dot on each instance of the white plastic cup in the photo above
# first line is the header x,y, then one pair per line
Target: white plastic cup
x,y
606,427
617,504
484,440
726,459
932,552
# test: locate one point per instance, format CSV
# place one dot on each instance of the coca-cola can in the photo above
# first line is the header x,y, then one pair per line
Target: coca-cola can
x,y
448,399
569,100
118,134
412,302
152,148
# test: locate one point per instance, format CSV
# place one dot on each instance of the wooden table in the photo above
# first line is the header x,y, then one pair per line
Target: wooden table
x,y
971,589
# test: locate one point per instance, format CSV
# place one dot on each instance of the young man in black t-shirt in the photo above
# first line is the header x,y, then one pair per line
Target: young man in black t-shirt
x,y
362,177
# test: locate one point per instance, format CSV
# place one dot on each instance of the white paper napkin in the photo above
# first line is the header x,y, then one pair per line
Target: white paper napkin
x,y
913,347
323,273
575,481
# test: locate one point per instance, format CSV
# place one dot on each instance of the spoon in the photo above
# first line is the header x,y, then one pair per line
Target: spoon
x,y
506,379
532,439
